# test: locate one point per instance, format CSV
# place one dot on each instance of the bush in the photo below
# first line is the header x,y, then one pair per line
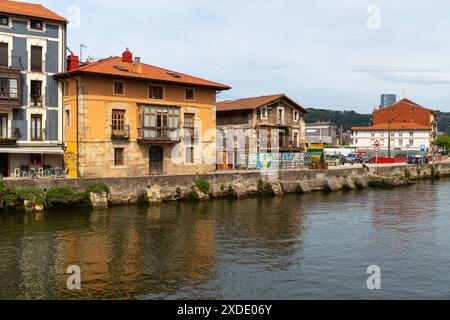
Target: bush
x,y
9,197
29,193
59,196
435,173
98,186
407,174
193,196
178,191
203,186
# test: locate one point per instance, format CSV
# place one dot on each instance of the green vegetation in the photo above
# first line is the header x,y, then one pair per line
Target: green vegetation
x,y
444,141
231,193
435,173
444,121
98,186
222,187
193,196
63,197
178,191
408,173
346,119
322,158
203,185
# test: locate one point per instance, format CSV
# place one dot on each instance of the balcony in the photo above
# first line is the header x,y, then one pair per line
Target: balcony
x,y
120,132
158,135
7,137
9,87
36,100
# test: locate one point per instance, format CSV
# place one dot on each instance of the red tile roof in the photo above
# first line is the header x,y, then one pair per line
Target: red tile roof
x,y
394,126
115,67
254,103
406,102
29,10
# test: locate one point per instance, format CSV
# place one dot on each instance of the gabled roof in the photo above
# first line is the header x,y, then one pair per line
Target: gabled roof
x,y
255,103
393,126
115,67
29,9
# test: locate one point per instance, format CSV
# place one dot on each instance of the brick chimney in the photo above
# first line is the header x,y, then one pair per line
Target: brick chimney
x,y
73,62
137,65
127,56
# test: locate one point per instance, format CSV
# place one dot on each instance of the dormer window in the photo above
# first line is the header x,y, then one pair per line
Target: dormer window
x,y
4,20
37,24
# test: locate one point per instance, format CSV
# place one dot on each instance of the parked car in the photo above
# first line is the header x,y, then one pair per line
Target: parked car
x,y
368,159
417,159
352,158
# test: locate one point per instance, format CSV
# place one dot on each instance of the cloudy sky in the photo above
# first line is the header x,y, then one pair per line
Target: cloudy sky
x,y
339,54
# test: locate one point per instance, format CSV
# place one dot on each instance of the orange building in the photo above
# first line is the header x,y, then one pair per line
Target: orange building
x,y
405,111
124,118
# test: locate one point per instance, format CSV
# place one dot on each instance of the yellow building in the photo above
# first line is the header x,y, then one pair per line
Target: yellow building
x,y
124,118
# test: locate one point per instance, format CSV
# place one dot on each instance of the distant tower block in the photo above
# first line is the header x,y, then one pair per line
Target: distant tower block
x,y
388,100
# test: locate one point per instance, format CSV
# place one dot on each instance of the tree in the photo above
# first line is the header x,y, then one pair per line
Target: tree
x,y
444,141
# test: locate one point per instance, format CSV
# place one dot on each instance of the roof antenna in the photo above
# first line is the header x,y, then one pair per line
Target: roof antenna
x,y
81,51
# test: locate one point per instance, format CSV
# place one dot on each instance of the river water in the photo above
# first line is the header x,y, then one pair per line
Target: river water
x,y
316,246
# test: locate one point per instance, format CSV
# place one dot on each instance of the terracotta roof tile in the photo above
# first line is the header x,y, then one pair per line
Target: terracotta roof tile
x,y
115,67
394,126
29,9
254,103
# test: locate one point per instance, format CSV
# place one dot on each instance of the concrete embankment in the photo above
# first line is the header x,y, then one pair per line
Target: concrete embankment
x,y
126,191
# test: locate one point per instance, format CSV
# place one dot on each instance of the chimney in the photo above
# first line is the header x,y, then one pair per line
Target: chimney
x,y
127,56
137,65
73,62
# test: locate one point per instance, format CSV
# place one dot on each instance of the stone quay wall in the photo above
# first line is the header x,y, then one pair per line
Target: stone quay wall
x,y
238,184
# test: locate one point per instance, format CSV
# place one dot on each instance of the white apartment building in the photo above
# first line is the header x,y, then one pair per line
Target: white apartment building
x,y
404,137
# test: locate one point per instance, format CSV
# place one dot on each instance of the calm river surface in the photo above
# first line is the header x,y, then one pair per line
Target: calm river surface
x,y
295,247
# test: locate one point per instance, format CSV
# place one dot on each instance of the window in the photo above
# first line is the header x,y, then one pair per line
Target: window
x,y
35,159
158,121
189,120
4,54
411,142
118,120
190,95
66,88
67,118
156,92
400,142
36,58
411,133
4,20
118,157
37,25
36,127
190,154
373,134
4,126
9,88
280,115
264,113
296,116
36,93
119,88
295,138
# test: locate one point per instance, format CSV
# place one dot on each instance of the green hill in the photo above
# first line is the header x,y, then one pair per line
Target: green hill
x,y
347,119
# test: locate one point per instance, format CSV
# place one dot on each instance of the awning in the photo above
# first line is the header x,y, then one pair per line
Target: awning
x,y
33,150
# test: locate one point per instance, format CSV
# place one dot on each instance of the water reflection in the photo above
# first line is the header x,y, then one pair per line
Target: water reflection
x,y
312,246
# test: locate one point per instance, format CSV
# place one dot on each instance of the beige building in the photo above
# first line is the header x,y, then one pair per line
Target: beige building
x,y
125,118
